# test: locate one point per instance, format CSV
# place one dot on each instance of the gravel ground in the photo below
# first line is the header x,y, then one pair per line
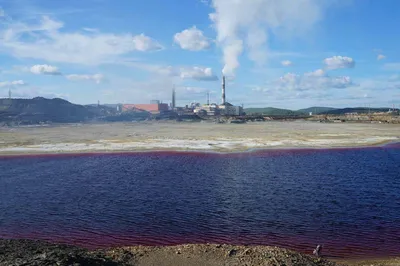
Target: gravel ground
x,y
191,136
35,253
26,252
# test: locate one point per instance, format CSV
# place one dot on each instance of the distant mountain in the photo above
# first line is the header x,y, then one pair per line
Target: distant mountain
x,y
42,110
271,111
112,105
360,110
316,110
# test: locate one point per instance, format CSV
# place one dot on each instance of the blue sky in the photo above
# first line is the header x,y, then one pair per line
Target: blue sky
x,y
281,53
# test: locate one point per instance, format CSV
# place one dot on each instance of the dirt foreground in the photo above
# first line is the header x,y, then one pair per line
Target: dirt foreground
x,y
29,252
26,252
199,136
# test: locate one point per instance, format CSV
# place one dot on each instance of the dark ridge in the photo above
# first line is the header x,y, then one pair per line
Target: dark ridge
x,y
360,110
40,110
316,110
30,252
271,111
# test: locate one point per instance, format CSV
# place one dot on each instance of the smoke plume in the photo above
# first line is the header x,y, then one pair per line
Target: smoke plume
x,y
247,24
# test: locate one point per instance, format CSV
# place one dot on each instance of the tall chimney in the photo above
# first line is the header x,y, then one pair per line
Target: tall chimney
x,y
173,98
208,98
9,93
223,90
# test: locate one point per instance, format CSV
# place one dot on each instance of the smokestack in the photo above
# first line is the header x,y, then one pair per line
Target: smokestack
x,y
208,98
223,90
173,98
9,93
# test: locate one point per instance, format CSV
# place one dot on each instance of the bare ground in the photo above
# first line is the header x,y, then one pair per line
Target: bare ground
x,y
26,252
371,262
29,252
192,136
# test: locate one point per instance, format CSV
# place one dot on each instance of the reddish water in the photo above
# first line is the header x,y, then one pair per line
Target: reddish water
x,y
346,199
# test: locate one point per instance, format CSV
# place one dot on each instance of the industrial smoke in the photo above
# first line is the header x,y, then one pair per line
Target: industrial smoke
x,y
249,24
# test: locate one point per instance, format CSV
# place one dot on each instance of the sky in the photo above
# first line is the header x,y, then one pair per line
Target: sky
x,y
282,53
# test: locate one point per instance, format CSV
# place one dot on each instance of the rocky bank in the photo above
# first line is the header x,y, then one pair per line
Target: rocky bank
x,y
29,252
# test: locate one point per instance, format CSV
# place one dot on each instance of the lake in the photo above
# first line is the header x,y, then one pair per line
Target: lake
x,y
348,200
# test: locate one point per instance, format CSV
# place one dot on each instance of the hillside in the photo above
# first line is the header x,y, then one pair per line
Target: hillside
x,y
359,110
39,109
42,110
316,110
270,111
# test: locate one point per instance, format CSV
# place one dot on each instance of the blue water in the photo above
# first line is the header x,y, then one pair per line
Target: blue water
x,y
346,199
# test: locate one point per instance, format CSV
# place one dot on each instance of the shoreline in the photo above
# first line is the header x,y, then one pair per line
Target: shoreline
x,y
198,138
187,151
42,252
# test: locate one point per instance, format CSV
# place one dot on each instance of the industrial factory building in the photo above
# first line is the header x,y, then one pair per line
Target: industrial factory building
x,y
207,109
156,107
153,107
225,108
229,109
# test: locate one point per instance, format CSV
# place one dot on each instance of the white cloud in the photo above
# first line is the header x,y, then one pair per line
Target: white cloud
x,y
31,92
198,73
312,85
337,62
2,14
192,94
286,63
48,40
244,22
392,66
45,70
192,39
12,83
166,71
395,77
380,57
317,80
195,73
91,30
195,90
316,73
315,86
98,78
379,88
144,43
206,2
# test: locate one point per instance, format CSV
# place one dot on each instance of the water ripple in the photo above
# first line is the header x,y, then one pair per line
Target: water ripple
x,y
346,199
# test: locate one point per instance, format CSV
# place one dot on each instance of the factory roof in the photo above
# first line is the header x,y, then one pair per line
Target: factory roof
x,y
227,104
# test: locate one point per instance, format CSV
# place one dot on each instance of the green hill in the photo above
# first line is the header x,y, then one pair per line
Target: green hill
x,y
270,111
360,110
39,109
42,110
316,110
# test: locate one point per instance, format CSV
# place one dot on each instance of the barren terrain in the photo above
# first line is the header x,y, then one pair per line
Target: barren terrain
x,y
197,136
28,252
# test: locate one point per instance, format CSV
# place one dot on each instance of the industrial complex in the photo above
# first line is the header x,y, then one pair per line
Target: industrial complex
x,y
209,109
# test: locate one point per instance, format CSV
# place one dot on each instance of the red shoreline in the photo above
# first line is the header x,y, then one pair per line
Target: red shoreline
x,y
332,248
262,151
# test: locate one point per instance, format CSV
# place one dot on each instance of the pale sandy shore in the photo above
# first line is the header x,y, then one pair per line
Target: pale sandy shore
x,y
199,136
28,252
